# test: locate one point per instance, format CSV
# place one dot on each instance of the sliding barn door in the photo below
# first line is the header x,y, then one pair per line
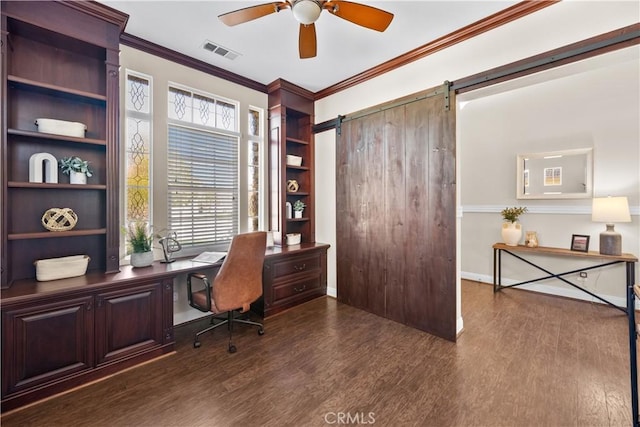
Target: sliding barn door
x,y
396,218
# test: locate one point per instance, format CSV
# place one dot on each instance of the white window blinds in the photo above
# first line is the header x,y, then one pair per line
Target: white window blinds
x,y
202,176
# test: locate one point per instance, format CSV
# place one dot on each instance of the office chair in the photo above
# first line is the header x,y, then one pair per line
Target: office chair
x,y
237,284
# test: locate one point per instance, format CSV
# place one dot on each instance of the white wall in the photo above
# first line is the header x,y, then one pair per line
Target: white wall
x,y
547,29
594,103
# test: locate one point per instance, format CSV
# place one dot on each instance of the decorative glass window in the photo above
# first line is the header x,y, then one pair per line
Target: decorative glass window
x,y
253,164
137,147
201,109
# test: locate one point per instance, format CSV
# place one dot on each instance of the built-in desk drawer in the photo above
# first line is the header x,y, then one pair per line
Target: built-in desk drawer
x,y
296,264
283,291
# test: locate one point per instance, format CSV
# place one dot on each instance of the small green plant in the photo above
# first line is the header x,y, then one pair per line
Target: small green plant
x,y
512,214
140,237
75,164
299,205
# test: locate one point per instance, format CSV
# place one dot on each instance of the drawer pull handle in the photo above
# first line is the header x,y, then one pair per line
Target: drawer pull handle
x,y
300,267
300,289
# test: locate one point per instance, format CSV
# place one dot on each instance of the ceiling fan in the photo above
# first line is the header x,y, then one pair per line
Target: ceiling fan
x,y
306,12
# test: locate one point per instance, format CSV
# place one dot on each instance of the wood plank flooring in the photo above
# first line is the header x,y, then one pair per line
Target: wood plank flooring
x,y
523,359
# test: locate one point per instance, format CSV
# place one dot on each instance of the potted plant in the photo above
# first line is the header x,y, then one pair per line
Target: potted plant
x,y
511,229
77,169
298,207
140,240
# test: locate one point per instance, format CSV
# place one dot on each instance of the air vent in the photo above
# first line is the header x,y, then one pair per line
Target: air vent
x,y
220,50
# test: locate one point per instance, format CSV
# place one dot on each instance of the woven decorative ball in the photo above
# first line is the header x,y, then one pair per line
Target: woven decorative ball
x,y
292,186
59,219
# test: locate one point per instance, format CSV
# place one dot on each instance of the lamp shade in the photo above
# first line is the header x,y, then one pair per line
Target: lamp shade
x,y
610,210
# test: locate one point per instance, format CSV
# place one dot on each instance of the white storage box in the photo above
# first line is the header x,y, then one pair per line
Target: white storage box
x,y
61,268
61,127
294,160
293,238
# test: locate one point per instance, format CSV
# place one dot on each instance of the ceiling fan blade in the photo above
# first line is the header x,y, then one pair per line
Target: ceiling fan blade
x,y
360,14
307,41
250,13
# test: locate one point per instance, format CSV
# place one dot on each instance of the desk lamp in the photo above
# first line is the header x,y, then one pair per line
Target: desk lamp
x,y
610,210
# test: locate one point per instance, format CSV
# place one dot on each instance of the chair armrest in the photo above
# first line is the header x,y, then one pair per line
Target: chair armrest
x,y
207,285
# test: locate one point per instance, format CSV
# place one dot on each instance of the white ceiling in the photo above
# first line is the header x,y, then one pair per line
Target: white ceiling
x,y
268,46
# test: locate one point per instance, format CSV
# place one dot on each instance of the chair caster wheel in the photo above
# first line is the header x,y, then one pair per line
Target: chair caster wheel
x,y
260,331
232,348
196,344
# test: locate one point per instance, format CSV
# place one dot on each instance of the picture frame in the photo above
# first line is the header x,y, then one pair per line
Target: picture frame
x,y
580,243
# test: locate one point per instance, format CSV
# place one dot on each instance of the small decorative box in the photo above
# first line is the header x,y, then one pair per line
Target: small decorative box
x,y
294,160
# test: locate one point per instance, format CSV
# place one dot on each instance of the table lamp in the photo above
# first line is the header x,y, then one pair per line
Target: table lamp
x,y
610,210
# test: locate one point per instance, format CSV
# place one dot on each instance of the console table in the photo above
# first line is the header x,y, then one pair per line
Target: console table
x,y
601,261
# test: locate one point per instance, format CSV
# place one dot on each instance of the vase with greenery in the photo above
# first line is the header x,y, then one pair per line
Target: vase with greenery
x,y
77,169
511,229
298,207
140,241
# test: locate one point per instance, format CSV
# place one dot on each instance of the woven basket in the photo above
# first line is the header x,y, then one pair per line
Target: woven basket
x,y
61,268
59,219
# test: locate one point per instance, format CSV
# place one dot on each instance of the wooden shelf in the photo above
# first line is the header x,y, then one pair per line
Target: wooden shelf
x,y
297,193
15,81
57,234
545,250
298,168
297,141
51,136
57,186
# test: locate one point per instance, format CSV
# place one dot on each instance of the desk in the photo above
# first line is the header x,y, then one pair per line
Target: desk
x,y
602,261
105,323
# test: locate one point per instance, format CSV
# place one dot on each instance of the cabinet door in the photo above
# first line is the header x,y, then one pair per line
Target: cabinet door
x,y
128,321
47,342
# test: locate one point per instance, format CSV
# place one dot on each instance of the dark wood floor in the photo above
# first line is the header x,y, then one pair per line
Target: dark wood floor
x,y
524,359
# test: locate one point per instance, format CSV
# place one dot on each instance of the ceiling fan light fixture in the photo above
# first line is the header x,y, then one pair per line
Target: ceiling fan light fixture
x,y
306,12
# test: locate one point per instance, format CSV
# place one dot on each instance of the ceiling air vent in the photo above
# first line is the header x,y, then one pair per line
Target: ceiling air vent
x,y
220,50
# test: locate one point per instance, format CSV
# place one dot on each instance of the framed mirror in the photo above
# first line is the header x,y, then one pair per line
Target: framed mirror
x,y
564,174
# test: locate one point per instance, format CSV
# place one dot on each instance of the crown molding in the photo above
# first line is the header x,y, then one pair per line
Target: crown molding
x,y
493,21
187,61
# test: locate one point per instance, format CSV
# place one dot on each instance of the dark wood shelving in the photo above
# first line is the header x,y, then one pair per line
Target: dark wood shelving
x,y
291,117
66,72
60,60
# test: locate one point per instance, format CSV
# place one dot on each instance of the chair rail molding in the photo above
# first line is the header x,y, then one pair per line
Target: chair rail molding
x,y
541,209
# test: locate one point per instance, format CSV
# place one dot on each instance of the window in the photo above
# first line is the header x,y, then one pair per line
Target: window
x,y
204,110
202,169
138,143
253,164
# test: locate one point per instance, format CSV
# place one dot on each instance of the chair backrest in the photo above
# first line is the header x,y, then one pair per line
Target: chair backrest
x,y
239,281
